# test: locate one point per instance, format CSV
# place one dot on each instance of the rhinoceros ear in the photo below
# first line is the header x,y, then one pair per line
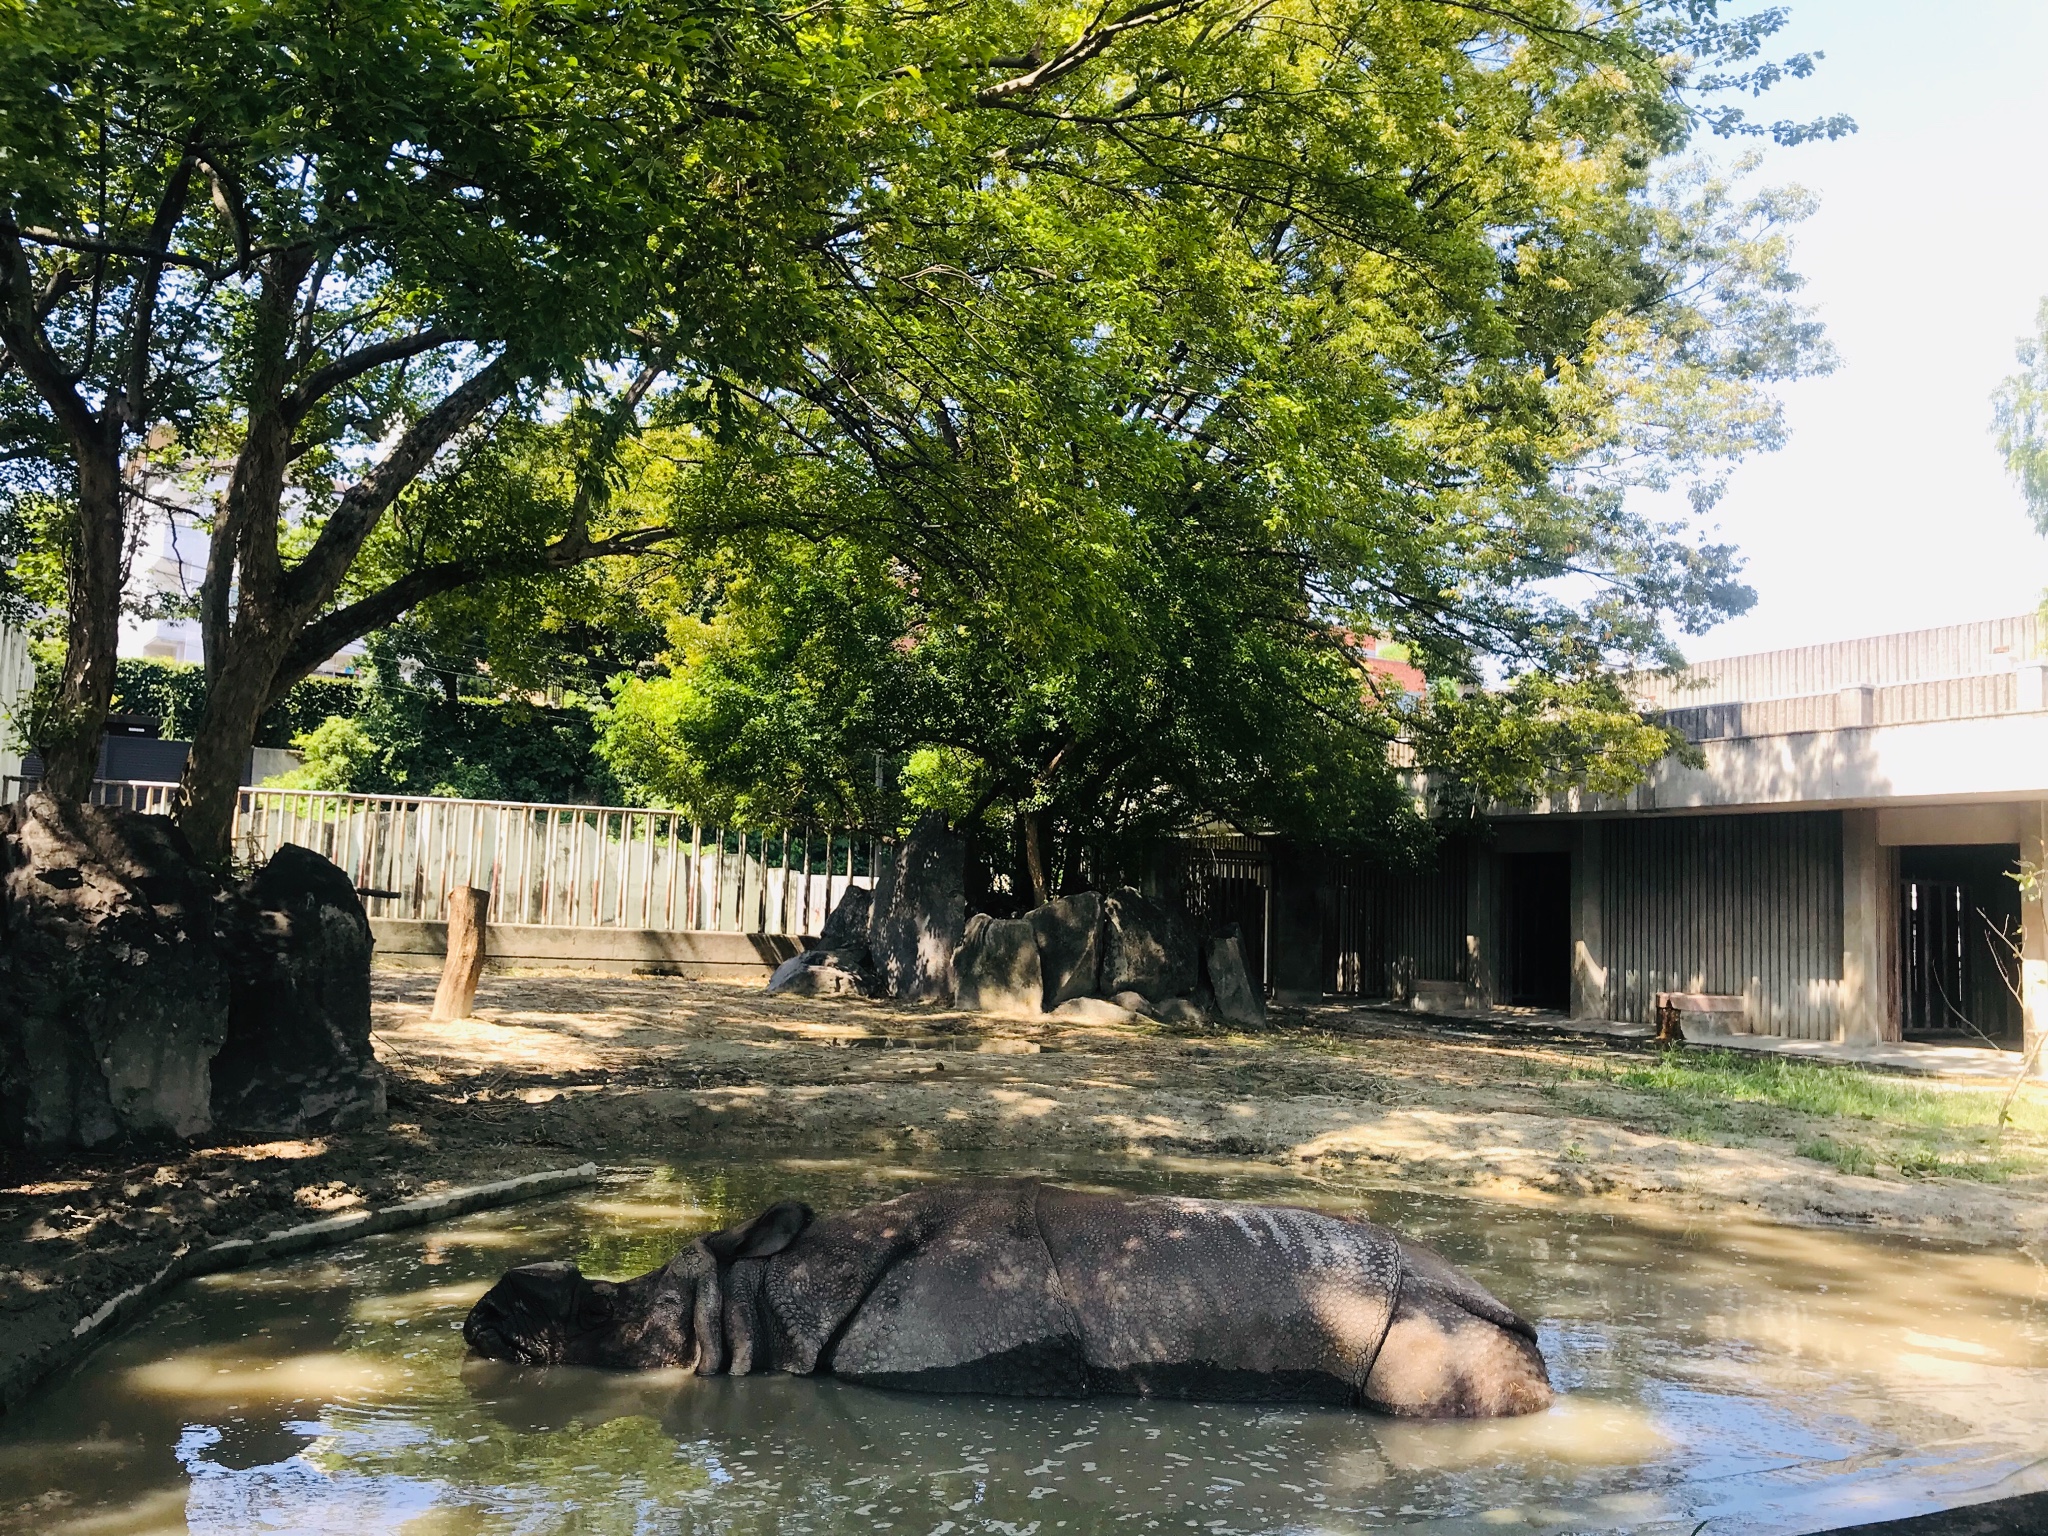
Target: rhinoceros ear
x,y
766,1235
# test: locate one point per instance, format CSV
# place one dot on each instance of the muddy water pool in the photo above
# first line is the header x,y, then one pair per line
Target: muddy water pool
x,y
1748,1377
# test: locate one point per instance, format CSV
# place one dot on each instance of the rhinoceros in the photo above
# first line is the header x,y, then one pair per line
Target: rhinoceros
x,y
1030,1289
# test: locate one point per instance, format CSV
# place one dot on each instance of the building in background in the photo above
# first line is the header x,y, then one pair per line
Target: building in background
x,y
1852,862
164,577
17,682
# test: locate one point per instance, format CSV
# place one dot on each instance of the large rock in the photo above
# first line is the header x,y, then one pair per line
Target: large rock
x,y
113,991
1238,998
847,926
1095,1010
919,914
821,972
1146,947
1069,934
297,1056
996,969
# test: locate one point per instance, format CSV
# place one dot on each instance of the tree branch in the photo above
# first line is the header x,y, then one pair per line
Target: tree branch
x,y
331,631
354,365
1082,49
21,330
315,578
232,205
36,235
132,405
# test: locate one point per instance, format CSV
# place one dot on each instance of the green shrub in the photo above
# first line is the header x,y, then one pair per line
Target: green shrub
x,y
408,741
175,692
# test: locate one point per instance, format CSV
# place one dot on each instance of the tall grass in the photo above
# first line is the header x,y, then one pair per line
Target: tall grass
x,y
1707,1078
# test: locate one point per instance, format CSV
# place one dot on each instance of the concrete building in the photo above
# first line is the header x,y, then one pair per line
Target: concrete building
x,y
169,566
17,681
1844,866
164,578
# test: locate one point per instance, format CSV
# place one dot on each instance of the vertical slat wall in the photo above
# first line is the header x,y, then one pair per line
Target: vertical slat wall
x,y
1954,650
552,865
1224,879
1374,916
1727,904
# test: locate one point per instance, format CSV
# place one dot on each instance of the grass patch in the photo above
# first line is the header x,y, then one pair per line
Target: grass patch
x,y
1853,1121
1835,1092
1842,1156
1928,1163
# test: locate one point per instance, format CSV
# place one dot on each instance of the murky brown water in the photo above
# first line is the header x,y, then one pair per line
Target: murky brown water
x,y
1750,1377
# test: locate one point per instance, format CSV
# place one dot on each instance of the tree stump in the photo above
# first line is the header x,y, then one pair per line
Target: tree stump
x,y
468,910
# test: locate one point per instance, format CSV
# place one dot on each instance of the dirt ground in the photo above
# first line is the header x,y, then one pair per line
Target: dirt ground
x,y
558,1069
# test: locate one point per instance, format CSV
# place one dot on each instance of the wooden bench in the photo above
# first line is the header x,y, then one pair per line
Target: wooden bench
x,y
1730,1013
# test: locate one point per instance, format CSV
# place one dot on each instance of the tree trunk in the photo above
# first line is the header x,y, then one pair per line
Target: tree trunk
x,y
253,610
468,911
243,652
1036,864
212,783
68,737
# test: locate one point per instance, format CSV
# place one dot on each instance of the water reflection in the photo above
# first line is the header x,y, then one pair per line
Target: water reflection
x,y
1753,1377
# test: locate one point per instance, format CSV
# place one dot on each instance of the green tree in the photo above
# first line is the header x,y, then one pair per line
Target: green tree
x,y
1007,271
1119,597
304,249
1217,700
2020,419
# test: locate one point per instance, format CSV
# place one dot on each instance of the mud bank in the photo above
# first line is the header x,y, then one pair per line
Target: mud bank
x,y
555,1070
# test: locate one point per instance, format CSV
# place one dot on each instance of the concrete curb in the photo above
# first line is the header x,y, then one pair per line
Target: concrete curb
x,y
2026,1515
20,1376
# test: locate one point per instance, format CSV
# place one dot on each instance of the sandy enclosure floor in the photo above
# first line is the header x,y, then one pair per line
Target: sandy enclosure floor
x,y
639,1068
557,1069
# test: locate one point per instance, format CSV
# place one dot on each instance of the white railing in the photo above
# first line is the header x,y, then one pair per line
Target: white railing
x,y
131,794
583,866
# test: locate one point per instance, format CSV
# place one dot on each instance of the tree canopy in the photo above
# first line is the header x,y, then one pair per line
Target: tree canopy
x,y
2020,419
1110,370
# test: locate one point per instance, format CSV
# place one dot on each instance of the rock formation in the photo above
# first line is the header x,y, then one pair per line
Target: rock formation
x,y
1146,948
297,1056
1069,934
1230,982
139,997
1114,959
821,973
997,967
919,914
113,987
847,926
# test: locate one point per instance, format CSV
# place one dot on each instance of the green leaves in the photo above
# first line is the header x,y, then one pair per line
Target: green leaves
x,y
2020,419
1046,389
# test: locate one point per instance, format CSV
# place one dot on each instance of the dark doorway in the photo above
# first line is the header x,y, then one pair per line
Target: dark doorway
x,y
1536,922
1959,923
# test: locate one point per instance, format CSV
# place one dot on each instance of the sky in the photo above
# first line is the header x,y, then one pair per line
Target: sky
x,y
1889,508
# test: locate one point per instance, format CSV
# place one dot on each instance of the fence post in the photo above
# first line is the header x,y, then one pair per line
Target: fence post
x,y
468,920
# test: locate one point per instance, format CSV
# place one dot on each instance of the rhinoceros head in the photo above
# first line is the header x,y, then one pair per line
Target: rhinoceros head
x,y
554,1314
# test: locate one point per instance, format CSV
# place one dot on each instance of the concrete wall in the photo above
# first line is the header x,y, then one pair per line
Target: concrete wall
x,y
17,681
1988,646
1724,904
1935,763
735,957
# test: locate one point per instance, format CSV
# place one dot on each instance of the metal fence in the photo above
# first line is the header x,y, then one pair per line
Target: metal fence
x,y
129,794
1224,879
582,866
